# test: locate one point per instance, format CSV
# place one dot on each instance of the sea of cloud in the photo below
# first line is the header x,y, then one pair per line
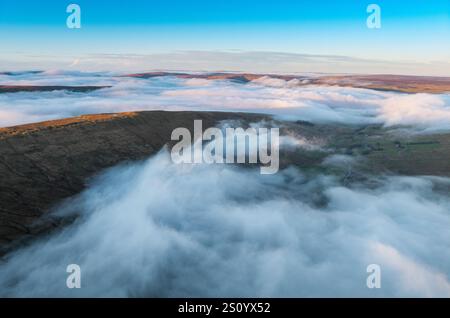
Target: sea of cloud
x,y
155,228
166,230
285,99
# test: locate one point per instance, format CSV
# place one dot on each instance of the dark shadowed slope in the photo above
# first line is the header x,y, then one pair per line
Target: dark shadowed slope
x,y
42,163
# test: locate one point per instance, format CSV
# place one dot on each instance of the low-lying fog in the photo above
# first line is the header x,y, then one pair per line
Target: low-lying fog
x,y
160,229
428,112
155,228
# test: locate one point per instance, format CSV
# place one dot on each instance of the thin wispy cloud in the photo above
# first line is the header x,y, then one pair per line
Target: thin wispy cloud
x,y
228,60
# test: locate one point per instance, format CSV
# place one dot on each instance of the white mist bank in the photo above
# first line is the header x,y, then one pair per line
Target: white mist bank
x,y
159,229
166,230
425,112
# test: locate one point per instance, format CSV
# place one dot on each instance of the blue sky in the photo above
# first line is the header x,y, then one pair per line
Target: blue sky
x,y
34,34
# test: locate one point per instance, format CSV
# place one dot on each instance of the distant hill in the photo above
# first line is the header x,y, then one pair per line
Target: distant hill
x,y
397,83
